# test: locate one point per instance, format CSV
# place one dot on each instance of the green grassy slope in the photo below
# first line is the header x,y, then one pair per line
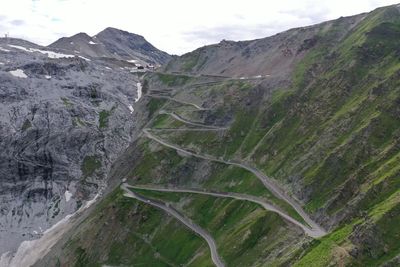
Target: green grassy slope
x,y
329,135
125,232
163,166
332,136
255,236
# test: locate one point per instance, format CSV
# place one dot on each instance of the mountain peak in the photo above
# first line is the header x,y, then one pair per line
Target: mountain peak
x,y
112,29
111,32
130,45
113,43
81,35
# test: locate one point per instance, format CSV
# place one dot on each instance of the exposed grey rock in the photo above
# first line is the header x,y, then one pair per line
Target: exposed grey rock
x,y
61,128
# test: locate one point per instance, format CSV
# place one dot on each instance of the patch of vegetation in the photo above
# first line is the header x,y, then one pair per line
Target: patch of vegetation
x,y
67,103
173,79
166,121
380,225
78,122
103,118
320,254
190,61
27,124
89,165
155,104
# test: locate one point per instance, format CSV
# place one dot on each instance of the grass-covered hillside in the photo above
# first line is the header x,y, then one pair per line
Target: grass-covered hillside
x,y
325,132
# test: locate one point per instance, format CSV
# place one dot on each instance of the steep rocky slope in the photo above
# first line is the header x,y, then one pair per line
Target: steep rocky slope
x,y
306,121
64,120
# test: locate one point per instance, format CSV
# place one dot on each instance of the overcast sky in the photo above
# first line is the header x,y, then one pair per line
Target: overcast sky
x,y
175,26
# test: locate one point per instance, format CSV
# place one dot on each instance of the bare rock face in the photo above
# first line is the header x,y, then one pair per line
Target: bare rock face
x,y
64,118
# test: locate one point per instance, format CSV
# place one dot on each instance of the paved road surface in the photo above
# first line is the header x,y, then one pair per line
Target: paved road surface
x,y
178,101
195,228
267,182
309,231
179,118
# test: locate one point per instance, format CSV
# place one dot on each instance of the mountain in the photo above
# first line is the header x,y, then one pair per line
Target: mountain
x,y
276,55
81,43
281,151
65,117
113,43
127,44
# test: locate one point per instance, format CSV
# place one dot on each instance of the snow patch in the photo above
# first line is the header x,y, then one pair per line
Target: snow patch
x,y
1,63
48,77
50,54
18,73
139,92
132,61
92,43
67,195
108,68
4,50
131,108
71,43
20,48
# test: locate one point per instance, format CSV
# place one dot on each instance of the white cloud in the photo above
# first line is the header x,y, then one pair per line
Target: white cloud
x,y
175,26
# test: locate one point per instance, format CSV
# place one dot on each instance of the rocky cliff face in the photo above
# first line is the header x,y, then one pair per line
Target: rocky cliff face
x,y
64,119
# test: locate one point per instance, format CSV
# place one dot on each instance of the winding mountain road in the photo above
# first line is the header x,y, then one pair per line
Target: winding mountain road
x,y
176,100
179,118
185,130
267,182
194,227
309,231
